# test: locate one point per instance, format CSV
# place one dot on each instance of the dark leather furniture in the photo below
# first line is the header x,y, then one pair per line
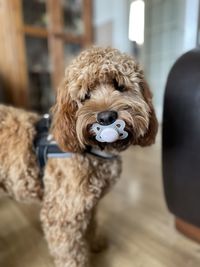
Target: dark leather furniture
x,y
181,140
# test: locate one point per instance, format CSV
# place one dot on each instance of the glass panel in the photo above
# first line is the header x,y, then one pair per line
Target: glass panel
x,y
39,70
73,16
34,12
70,52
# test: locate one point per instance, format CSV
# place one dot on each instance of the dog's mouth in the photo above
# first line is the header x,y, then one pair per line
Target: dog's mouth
x,y
109,133
117,135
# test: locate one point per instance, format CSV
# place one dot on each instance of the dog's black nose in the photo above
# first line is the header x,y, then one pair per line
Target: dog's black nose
x,y
107,117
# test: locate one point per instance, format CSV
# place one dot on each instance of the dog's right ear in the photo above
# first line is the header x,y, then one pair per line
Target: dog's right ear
x,y
64,120
149,137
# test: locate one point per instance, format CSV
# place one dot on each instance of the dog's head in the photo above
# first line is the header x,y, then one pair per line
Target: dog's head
x,y
101,89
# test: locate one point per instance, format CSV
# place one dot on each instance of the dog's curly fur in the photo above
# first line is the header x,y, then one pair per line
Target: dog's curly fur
x,y
97,80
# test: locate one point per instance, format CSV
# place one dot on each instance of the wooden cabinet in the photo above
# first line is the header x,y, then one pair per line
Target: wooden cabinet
x,y
38,39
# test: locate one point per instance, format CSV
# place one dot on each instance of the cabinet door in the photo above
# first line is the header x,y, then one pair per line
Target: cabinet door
x,y
55,32
39,67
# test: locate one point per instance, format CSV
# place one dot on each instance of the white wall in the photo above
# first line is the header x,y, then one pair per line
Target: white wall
x,y
170,30
115,13
191,25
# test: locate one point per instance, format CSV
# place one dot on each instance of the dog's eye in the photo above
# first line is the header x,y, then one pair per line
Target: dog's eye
x,y
87,96
120,88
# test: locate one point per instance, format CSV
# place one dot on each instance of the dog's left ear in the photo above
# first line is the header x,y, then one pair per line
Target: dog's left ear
x,y
64,120
150,135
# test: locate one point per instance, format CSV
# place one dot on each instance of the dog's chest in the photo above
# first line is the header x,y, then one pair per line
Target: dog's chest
x,y
102,174
95,175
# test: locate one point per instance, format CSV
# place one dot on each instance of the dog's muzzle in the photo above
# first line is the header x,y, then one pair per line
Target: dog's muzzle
x,y
110,133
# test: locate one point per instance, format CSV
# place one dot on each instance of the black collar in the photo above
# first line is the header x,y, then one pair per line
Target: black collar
x,y
100,153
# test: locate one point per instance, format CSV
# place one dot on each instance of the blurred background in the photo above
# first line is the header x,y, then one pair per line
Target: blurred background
x,y
40,37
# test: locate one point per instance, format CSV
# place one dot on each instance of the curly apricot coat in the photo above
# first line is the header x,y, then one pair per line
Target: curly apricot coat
x,y
99,79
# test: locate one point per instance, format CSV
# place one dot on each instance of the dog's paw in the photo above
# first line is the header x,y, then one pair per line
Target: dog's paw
x,y
100,244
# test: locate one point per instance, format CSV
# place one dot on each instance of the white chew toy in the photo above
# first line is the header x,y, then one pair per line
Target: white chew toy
x,y
110,133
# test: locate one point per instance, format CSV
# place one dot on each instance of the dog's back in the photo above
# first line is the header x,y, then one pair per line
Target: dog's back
x,y
18,167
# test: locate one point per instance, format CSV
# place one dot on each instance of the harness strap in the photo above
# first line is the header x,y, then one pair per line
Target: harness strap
x,y
41,143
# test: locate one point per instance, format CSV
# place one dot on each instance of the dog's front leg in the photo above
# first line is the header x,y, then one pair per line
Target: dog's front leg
x,y
66,215
96,240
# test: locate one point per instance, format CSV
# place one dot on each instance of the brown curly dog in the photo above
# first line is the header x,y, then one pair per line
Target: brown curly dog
x,y
102,89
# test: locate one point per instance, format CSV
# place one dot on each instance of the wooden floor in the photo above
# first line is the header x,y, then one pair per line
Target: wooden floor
x,y
134,217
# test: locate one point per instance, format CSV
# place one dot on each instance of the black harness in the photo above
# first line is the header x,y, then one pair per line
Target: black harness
x,y
46,147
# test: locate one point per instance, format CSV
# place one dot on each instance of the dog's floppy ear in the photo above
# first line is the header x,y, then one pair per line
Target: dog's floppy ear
x,y
150,135
64,120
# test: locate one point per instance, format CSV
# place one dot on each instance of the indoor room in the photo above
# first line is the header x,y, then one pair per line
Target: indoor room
x,y
99,133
